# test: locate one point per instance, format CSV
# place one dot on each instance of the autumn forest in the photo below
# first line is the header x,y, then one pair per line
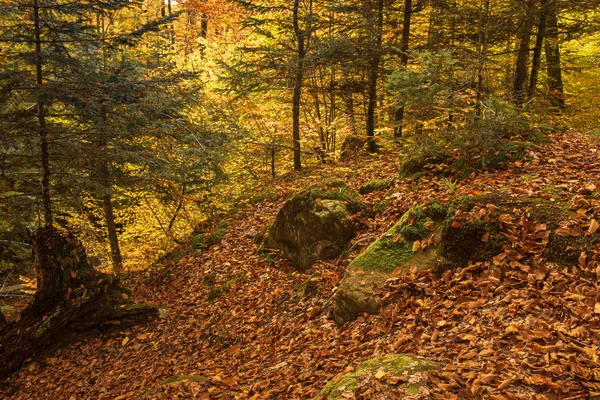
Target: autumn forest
x,y
299,199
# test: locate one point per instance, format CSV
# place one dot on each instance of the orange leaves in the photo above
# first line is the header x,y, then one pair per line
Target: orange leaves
x,y
594,225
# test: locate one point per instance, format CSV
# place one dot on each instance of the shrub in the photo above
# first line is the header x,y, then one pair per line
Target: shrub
x,y
499,135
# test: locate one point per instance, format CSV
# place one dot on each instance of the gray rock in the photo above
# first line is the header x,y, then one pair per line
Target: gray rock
x,y
308,229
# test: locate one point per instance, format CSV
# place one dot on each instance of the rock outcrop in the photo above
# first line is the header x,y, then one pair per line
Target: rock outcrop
x,y
485,228
411,241
313,225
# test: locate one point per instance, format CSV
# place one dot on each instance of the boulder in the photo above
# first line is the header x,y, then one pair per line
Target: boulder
x,y
400,375
411,241
310,227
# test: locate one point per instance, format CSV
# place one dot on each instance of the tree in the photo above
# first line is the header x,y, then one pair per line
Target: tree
x,y
552,47
278,55
522,62
79,96
404,46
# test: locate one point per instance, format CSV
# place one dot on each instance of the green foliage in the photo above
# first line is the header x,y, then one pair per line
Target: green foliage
x,y
267,193
487,141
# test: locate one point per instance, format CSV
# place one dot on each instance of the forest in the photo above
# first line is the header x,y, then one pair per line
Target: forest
x,y
299,199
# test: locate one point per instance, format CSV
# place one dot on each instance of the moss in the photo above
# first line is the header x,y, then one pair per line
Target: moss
x,y
561,250
203,240
224,288
268,193
436,210
380,206
352,202
374,185
184,378
395,247
394,365
384,255
565,251
463,244
333,183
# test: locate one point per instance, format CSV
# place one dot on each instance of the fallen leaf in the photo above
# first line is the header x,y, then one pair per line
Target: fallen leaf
x,y
416,246
594,225
380,374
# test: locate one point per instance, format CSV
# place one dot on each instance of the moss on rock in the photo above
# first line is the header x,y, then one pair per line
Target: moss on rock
x,y
396,246
394,251
404,366
374,185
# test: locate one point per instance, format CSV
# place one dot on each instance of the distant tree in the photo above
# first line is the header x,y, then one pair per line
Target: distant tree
x,y
276,57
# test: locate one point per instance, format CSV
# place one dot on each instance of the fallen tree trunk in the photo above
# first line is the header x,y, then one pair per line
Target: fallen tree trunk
x,y
71,296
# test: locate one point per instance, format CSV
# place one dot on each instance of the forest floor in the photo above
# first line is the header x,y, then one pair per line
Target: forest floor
x,y
237,325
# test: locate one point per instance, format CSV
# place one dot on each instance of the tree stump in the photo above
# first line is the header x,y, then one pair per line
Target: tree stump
x,y
71,295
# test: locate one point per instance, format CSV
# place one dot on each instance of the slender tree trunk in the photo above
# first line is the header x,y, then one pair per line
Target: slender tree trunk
x,y
537,51
404,45
298,80
115,250
41,113
172,27
373,78
109,216
350,118
484,29
552,47
520,82
508,69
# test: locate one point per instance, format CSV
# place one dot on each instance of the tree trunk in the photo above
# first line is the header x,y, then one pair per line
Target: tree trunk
x,y
71,295
537,51
373,78
41,114
350,118
298,80
484,30
520,82
552,47
404,45
113,238
106,182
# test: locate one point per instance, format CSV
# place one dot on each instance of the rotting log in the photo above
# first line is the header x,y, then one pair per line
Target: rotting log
x,y
71,296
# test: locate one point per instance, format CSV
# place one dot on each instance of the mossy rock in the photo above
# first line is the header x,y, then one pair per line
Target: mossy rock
x,y
561,250
374,186
313,225
393,252
402,374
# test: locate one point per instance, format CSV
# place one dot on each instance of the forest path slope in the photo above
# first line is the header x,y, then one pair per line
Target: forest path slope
x,y
255,329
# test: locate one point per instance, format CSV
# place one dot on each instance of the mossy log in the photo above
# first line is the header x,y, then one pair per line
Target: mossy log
x,y
71,296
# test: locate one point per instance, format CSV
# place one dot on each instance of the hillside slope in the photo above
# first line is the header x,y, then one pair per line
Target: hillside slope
x,y
238,325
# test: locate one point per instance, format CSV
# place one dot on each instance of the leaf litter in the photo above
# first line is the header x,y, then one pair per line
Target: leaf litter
x,y
513,327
